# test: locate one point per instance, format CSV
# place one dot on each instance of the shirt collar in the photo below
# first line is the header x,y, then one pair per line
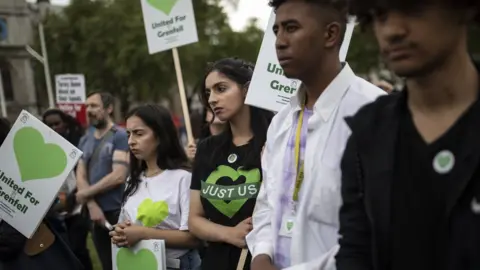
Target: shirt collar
x,y
331,96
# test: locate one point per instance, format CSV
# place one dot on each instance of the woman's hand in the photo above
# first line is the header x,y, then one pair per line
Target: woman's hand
x,y
118,234
191,151
133,234
236,235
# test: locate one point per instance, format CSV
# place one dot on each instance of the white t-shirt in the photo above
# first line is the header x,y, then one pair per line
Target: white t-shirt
x,y
161,202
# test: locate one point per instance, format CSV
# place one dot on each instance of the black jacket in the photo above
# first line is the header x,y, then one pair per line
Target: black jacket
x,y
12,256
367,175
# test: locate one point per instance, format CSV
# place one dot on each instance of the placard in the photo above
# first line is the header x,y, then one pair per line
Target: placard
x,y
269,88
168,24
146,255
35,163
71,96
70,88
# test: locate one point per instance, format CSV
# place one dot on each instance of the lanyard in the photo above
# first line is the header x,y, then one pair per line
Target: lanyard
x,y
298,165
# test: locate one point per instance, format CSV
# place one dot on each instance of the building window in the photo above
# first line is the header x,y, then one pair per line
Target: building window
x,y
3,29
6,80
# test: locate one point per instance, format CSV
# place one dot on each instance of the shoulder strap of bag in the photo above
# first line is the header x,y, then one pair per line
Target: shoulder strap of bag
x,y
40,241
99,147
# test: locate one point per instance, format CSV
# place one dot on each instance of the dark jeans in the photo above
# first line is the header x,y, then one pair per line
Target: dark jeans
x,y
78,228
102,241
189,261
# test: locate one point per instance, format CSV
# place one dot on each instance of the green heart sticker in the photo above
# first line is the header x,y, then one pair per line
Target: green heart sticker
x,y
165,6
444,161
144,259
231,208
152,213
289,225
37,159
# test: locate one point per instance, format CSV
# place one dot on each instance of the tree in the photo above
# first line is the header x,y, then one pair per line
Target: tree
x,y
105,40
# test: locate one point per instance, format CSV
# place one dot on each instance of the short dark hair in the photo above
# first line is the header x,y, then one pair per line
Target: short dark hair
x,y
340,7
364,9
75,129
107,98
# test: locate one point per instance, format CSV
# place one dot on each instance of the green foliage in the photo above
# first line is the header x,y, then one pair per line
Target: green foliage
x,y
105,40
363,53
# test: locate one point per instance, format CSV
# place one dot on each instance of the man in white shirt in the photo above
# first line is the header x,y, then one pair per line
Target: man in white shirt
x,y
295,223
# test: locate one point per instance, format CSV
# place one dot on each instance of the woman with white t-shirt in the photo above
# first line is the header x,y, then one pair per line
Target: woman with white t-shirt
x,y
156,199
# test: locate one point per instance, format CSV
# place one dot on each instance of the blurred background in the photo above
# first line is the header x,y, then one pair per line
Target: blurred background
x,y
105,40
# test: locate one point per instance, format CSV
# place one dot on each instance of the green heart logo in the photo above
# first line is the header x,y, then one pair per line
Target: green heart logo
x,y
289,225
165,6
231,208
444,160
37,159
152,213
144,259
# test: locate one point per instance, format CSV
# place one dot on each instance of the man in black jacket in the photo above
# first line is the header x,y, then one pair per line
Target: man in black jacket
x,y
411,168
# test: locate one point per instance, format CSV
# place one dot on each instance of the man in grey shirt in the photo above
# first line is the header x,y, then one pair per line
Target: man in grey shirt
x,y
102,171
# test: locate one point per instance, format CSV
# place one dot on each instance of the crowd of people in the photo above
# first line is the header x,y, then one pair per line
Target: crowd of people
x,y
344,177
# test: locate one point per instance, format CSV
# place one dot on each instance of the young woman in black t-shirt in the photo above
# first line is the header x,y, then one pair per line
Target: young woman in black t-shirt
x,y
227,172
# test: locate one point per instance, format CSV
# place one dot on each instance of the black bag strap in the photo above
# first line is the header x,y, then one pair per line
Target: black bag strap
x,y
96,152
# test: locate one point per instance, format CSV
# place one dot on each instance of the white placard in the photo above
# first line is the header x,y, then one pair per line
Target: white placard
x,y
35,161
168,24
269,88
145,255
70,88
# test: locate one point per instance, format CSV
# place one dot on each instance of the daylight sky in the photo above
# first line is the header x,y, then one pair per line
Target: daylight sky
x,y
238,18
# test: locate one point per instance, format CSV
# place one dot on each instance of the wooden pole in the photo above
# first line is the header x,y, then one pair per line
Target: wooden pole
x,y
183,96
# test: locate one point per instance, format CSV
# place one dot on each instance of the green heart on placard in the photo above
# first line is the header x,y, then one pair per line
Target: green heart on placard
x,y
289,225
165,6
231,208
152,213
37,159
144,259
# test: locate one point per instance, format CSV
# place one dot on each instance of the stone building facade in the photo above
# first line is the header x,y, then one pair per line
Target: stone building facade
x,y
18,24
16,31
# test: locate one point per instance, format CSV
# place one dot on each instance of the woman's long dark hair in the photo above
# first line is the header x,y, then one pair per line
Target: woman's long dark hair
x,y
75,130
205,128
170,153
240,72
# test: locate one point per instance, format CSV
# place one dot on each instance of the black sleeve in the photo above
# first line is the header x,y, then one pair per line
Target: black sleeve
x,y
198,165
11,242
355,238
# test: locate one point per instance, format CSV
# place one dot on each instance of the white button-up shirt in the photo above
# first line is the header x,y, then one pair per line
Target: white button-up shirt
x,y
315,234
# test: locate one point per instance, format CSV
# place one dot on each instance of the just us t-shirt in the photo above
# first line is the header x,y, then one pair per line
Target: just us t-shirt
x,y
163,202
228,194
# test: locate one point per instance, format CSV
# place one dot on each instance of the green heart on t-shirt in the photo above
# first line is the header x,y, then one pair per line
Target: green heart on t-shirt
x,y
231,208
152,213
144,259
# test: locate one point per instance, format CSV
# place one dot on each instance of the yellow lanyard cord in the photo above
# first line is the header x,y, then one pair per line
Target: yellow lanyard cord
x,y
298,164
